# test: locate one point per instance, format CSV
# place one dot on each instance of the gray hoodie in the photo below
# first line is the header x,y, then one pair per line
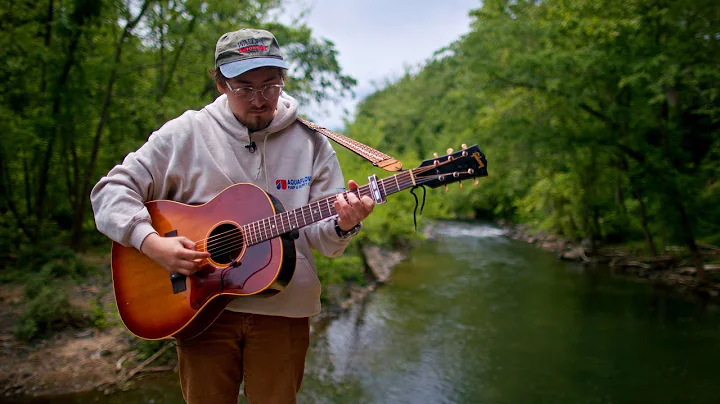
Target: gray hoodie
x,y
194,157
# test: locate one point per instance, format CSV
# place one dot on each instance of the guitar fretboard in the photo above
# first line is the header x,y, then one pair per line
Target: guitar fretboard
x,y
274,226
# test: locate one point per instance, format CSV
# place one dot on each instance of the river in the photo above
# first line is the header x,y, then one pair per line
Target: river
x,y
474,317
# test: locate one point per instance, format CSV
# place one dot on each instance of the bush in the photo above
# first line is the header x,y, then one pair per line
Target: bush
x,y
99,315
57,262
339,270
48,310
47,305
337,273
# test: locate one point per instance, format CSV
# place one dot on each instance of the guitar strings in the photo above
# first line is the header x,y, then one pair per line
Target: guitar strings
x,y
225,248
260,236
361,192
237,237
234,236
259,224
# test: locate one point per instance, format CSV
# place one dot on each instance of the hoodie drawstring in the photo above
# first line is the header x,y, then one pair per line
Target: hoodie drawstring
x,y
264,164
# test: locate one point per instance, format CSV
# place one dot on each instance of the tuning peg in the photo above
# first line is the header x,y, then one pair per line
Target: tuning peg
x,y
461,185
446,189
476,182
450,151
464,146
435,155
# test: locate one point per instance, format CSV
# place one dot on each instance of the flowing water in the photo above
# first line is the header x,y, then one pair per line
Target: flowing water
x,y
474,317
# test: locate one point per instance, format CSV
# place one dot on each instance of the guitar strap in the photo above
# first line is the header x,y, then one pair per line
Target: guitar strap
x,y
377,158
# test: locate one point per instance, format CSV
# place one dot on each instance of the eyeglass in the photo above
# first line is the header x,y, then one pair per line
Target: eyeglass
x,y
270,92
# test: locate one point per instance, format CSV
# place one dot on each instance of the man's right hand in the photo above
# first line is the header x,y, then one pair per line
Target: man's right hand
x,y
176,254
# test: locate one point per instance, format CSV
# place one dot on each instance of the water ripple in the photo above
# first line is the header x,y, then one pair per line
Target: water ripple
x,y
460,229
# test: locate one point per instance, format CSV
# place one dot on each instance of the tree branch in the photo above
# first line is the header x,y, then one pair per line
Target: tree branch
x,y
85,189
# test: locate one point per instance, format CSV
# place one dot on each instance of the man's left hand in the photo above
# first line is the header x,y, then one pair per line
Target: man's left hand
x,y
351,209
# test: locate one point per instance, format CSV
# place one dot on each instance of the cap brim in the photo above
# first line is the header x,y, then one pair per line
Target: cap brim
x,y
234,69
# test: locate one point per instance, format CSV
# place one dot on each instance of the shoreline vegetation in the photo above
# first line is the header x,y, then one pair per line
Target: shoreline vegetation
x,y
673,267
104,356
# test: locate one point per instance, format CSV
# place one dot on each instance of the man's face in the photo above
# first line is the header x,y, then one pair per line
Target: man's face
x,y
259,112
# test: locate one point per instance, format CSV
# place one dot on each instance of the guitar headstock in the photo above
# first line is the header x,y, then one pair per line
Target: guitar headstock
x,y
455,166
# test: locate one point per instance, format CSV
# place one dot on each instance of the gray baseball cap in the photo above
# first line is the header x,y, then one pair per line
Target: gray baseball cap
x,y
247,49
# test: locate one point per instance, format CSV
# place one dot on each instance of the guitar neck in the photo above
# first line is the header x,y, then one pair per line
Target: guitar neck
x,y
285,222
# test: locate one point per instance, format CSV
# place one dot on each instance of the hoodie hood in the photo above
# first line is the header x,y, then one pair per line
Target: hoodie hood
x,y
219,110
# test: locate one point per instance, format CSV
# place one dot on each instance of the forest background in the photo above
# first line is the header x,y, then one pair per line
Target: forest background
x,y
599,118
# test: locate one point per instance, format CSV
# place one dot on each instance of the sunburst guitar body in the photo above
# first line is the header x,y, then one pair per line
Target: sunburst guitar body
x,y
154,305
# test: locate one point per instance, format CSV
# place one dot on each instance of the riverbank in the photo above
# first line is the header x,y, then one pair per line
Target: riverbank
x,y
671,268
110,358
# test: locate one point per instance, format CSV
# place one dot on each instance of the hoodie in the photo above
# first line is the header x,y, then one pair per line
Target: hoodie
x,y
194,157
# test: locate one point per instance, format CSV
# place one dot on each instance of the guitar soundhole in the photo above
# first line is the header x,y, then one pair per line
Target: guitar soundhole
x,y
225,243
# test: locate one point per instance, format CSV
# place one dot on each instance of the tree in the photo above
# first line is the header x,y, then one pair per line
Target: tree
x,y
84,82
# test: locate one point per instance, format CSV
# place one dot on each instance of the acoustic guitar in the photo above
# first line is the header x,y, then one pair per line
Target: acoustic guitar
x,y
252,250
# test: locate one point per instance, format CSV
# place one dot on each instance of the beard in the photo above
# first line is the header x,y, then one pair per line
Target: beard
x,y
255,123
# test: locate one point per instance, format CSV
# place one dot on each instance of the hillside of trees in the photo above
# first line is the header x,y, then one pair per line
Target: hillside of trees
x,y
600,119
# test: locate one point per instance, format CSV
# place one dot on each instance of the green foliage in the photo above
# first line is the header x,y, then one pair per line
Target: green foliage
x,y
10,238
48,309
99,314
337,274
339,270
36,265
599,118
146,348
84,82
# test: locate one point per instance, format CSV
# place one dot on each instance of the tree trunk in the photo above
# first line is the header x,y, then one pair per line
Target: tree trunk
x,y
702,277
176,59
637,194
5,185
48,41
72,173
44,170
28,187
643,220
82,198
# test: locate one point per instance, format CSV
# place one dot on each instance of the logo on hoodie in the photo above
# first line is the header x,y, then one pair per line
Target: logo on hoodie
x,y
293,183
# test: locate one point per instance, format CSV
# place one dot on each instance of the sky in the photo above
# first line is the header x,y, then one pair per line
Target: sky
x,y
377,40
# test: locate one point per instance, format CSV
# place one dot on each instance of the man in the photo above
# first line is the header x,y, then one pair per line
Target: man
x,y
248,134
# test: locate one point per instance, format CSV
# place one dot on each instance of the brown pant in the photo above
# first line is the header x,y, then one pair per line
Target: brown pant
x,y
267,352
